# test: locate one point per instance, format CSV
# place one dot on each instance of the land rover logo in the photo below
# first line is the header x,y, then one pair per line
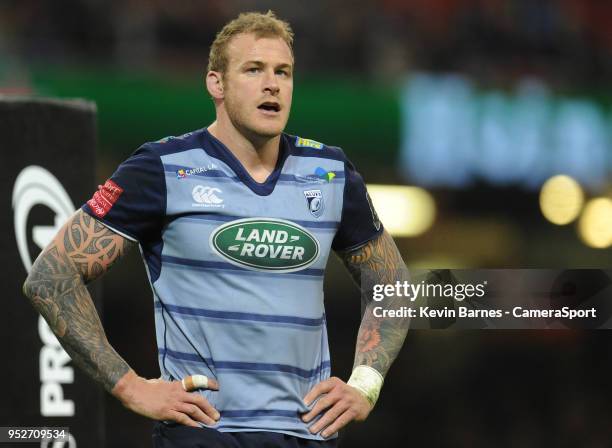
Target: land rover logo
x,y
265,244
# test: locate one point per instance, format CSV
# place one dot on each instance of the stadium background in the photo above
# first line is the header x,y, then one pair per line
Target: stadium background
x,y
367,74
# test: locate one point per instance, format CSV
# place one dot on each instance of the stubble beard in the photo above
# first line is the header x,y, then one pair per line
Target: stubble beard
x,y
251,131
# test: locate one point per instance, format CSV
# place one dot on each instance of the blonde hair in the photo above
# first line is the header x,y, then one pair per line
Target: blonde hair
x,y
261,25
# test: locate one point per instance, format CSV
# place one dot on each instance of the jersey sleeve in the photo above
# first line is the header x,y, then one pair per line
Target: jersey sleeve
x,y
359,223
133,201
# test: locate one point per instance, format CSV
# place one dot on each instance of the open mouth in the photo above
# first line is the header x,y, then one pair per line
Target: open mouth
x,y
269,106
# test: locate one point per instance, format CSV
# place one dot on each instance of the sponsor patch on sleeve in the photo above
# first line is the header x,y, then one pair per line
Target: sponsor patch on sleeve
x,y
104,199
307,143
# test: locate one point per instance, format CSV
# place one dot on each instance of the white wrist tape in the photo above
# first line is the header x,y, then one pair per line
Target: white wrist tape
x,y
368,381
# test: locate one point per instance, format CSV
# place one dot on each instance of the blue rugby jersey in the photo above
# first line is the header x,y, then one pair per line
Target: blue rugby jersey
x,y
236,267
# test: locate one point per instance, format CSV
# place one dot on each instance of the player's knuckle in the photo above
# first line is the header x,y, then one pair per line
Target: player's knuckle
x,y
330,398
182,418
182,405
342,403
315,411
327,401
347,399
166,408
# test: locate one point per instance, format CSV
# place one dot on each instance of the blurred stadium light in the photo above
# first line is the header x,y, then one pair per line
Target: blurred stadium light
x,y
404,211
595,225
561,199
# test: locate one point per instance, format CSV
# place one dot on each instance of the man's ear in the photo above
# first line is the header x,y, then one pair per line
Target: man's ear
x,y
214,85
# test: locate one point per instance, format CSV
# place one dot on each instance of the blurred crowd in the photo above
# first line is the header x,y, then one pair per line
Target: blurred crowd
x,y
566,41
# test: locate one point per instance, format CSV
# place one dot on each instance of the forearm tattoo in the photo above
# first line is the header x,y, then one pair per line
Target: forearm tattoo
x,y
82,251
380,338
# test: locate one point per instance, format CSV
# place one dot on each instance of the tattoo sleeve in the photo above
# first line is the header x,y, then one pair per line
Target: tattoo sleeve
x,y
380,338
82,251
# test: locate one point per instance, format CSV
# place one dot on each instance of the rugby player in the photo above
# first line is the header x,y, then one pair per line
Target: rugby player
x,y
235,223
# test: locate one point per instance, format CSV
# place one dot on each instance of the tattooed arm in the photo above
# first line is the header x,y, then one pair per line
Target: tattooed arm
x,y
82,251
380,338
378,342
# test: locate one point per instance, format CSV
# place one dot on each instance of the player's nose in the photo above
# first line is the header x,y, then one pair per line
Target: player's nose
x,y
271,83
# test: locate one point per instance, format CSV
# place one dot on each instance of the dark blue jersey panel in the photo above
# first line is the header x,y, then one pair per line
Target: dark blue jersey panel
x,y
360,223
140,208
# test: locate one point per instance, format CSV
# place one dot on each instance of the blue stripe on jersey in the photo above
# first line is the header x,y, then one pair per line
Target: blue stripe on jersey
x,y
247,366
226,218
269,367
206,265
250,413
294,275
234,315
193,357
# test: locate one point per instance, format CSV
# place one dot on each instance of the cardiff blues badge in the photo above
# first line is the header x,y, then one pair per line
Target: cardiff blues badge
x,y
314,198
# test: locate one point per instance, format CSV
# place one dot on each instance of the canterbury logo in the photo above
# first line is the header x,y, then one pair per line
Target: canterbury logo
x,y
206,195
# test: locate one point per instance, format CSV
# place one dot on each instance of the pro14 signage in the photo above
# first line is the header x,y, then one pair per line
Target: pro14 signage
x,y
36,186
47,150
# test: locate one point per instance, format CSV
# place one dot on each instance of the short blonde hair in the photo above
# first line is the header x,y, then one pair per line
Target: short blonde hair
x,y
261,25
